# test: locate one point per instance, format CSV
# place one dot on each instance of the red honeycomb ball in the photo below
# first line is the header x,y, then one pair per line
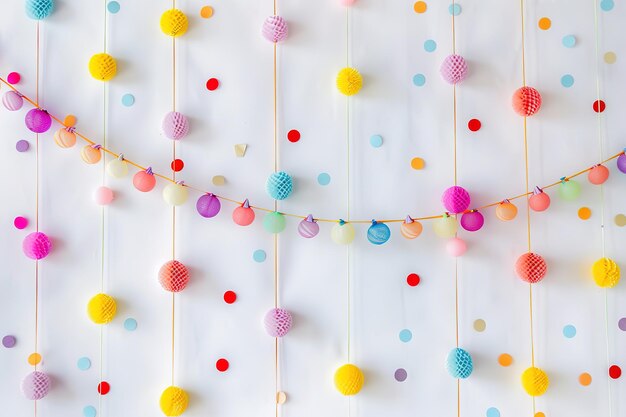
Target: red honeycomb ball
x,y
526,101
531,268
173,276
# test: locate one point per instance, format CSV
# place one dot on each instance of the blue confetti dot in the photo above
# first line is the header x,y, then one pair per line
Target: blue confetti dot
x,y
455,9
493,412
405,335
567,81
607,5
430,45
259,255
569,41
128,100
569,331
130,324
84,364
89,411
323,179
419,80
376,141
113,7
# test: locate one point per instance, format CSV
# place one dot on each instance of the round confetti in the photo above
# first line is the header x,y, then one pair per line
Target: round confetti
x,y
492,412
206,12
113,7
34,359
104,388
219,180
212,84
14,78
505,359
419,80
413,280
615,372
405,335
620,220
281,397
607,5
417,163
89,411
9,341
177,165
323,179
128,100
376,141
474,125
544,23
622,324
480,325
569,41
259,255
400,375
230,297
20,222
83,364
454,9
567,80
569,331
610,57
70,120
420,7
22,145
293,136
540,414
130,324
584,213
584,379
599,106
430,45
222,365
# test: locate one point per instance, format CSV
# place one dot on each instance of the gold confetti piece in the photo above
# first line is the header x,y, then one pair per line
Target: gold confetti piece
x,y
219,180
620,220
240,150
281,397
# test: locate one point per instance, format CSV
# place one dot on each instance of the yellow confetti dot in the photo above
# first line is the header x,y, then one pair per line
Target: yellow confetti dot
x,y
610,57
620,220
70,120
219,180
417,163
584,213
480,325
206,12
584,379
545,23
420,7
540,414
34,359
505,359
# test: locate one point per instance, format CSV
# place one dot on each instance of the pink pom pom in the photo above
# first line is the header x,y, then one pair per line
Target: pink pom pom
x,y
456,199
175,125
526,101
12,101
103,196
531,267
36,245
36,385
453,69
277,322
456,247
472,221
308,228
173,276
38,121
275,29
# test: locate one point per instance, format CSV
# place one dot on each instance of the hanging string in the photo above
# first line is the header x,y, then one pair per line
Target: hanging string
x,y
173,328
37,49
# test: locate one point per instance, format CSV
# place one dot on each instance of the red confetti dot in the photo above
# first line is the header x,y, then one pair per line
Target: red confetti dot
x,y
474,125
20,222
104,388
413,280
14,78
293,136
177,165
212,84
599,106
222,365
230,297
615,372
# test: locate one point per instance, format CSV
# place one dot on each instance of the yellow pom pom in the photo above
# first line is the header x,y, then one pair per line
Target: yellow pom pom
x,y
535,381
102,67
605,273
349,81
101,308
174,23
174,401
349,379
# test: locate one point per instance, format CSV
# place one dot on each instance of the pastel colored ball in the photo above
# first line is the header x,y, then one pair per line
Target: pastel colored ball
x,y
144,181
101,308
506,211
117,168
308,228
569,190
411,230
472,221
456,247
208,206
243,216
278,322
535,381
12,100
103,196
279,185
65,138
342,234
39,9
175,125
173,276
38,121
349,379
174,401
453,69
445,226
175,194
274,222
174,23
621,163
378,233
526,101
102,67
598,175
349,81
531,268
36,245
459,363
36,385
275,29
91,154
539,201
606,273
456,199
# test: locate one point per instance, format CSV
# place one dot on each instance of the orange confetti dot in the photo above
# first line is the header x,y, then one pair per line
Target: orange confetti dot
x,y
540,414
34,359
505,359
206,12
584,213
584,379
70,120
545,23
420,7
417,163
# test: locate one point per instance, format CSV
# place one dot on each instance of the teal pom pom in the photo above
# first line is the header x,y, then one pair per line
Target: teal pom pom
x,y
279,185
39,9
378,233
459,363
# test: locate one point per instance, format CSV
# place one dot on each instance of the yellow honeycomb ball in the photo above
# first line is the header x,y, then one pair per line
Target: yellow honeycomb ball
x,y
174,23
174,401
102,67
605,273
349,81
101,308
349,379
535,381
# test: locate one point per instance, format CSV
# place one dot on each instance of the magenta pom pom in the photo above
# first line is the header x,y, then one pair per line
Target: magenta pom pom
x,y
277,322
208,205
12,100
472,221
621,163
38,121
175,125
36,385
456,199
275,29
453,69
308,228
36,245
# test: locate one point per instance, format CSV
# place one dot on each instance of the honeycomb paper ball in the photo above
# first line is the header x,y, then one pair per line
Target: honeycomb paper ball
x,y
65,137
459,363
472,221
378,233
531,268
342,233
569,190
175,125
349,81
91,154
117,168
39,9
539,201
506,211
174,401
243,215
275,29
144,181
453,69
535,381
598,174
279,185
526,101
274,222
456,199
349,379
606,273
36,245
410,228
175,194
12,100
101,308
38,121
102,67
445,226
36,385
456,247
174,23
621,163
308,228
173,276
208,205
277,322
103,196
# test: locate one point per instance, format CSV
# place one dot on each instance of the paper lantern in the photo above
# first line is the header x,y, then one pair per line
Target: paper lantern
x,y
174,401
308,228
621,163
101,308
606,273
243,215
117,168
103,196
274,222
173,276
36,385
410,228
446,226
535,381
506,211
36,245
175,125
38,120
349,379
65,137
456,199
453,69
459,363
598,174
275,29
378,233
102,67
39,9
531,268
569,189
526,101
456,247
12,100
472,221
208,205
279,185
175,194
277,322
349,81
91,154
342,233
539,201
144,181
174,23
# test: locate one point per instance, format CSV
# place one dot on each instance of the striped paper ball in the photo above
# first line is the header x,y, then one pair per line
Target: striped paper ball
x,y
275,29
456,199
378,233
36,385
174,401
39,9
174,23
453,69
526,101
349,81
12,100
38,120
208,205
65,137
277,322
349,379
175,125
36,245
102,67
459,363
101,308
410,228
91,154
535,381
173,276
279,185
531,268
606,273
308,228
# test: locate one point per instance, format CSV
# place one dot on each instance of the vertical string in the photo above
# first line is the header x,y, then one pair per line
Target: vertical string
x,y
348,184
37,204
276,259
173,328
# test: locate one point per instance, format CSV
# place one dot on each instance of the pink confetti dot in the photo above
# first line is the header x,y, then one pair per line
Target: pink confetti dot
x,y
14,78
20,222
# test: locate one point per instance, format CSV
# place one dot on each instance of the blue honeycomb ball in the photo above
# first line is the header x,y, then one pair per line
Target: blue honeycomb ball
x,y
39,9
378,233
459,363
279,185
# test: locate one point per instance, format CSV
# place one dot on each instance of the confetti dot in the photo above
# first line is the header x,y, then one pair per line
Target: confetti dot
x,y
219,180
212,84
615,372
83,364
177,165
222,365
480,325
323,179
400,375
584,379
14,78
89,411
569,41
130,324
230,297
405,335
607,5
128,100
599,106
492,412
567,80
104,388
376,141
70,120
544,23
430,45
206,12
20,222
622,324
9,341
420,7
417,163
569,331
281,397
113,7
413,280
454,9
620,220
505,359
540,414
584,213
22,145
610,57
474,125
419,80
34,359
293,136
259,255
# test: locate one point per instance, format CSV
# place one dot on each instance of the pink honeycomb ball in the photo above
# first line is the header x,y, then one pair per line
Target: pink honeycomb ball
x,y
453,69
36,385
103,196
175,125
277,322
174,276
472,221
37,245
456,199
275,29
526,101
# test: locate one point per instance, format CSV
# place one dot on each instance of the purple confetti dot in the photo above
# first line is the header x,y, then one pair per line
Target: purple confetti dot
x,y
22,145
400,375
622,324
8,341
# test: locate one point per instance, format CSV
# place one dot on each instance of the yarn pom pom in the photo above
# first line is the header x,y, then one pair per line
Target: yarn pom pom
x,y
378,233
173,276
539,201
506,211
472,221
535,381
174,401
175,194
275,29
531,268
12,100
446,226
459,363
91,154
349,81
174,23
308,228
453,69
342,233
175,125
103,196
349,379
598,175
243,215
456,247
144,181
38,121
274,222
101,308
36,245
621,163
36,385
208,206
65,137
606,273
456,199
102,67
279,185
39,9
526,101
410,228
277,322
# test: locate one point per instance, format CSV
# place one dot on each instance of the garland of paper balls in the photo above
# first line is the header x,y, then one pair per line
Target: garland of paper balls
x,y
144,181
349,81
274,222
38,120
175,194
459,363
349,379
539,201
39,9
173,276
102,67
243,215
36,385
65,137
275,29
174,401
174,23
91,154
569,189
410,228
279,185
12,100
378,233
102,308
526,101
308,228
342,233
535,381
277,322
117,168
472,221
208,205
453,69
